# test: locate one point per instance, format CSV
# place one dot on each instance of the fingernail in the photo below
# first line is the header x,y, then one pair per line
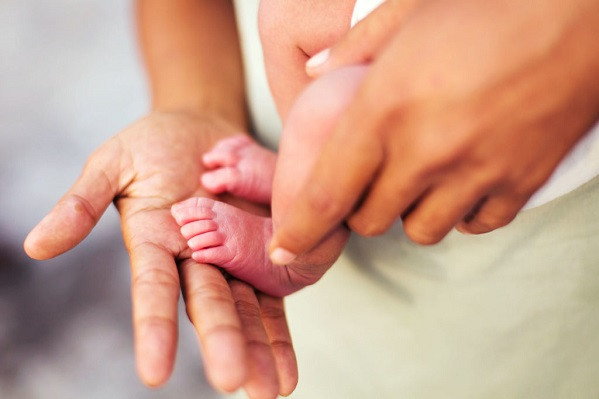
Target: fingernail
x,y
318,59
282,257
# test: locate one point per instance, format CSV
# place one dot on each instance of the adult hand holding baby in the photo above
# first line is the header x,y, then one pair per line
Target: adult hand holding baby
x,y
145,169
467,109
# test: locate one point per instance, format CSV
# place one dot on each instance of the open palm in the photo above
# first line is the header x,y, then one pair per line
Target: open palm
x,y
144,170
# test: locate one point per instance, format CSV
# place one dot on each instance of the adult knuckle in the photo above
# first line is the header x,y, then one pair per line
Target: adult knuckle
x,y
527,185
197,306
371,229
501,171
273,313
219,329
82,206
422,233
213,293
492,176
155,276
247,309
323,203
281,344
490,220
432,157
258,344
153,321
362,36
367,227
389,115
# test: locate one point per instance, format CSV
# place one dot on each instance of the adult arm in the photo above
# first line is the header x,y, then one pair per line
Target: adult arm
x,y
467,109
192,55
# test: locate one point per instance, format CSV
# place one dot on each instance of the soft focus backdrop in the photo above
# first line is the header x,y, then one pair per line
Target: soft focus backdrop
x,y
70,77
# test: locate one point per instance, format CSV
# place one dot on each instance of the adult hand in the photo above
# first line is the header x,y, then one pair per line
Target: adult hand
x,y
467,109
145,169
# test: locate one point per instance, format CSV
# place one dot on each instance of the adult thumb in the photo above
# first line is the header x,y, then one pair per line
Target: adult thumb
x,y
78,211
362,43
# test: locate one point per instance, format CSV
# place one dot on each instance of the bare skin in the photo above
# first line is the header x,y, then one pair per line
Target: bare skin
x,y
470,130
241,167
237,240
152,164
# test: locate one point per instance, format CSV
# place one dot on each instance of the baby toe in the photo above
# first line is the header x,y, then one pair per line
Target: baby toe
x,y
198,227
206,240
221,180
219,256
193,209
217,158
225,152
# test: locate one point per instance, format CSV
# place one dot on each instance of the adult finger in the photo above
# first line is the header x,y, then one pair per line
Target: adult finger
x,y
364,41
272,313
393,191
344,169
78,211
262,381
496,211
440,210
155,293
212,311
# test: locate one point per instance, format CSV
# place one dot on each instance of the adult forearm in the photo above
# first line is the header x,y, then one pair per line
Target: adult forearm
x,y
192,55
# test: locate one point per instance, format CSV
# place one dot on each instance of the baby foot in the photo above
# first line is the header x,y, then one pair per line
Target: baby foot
x,y
241,167
237,241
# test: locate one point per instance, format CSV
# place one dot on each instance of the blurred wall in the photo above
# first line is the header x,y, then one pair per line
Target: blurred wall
x,y
70,77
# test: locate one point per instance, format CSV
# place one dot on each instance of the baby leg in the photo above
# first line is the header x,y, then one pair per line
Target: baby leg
x,y
242,167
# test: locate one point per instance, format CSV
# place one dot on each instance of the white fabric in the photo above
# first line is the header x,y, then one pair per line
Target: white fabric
x,y
362,8
579,167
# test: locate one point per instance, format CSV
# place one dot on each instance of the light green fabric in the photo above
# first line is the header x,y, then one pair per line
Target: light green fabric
x,y
263,113
510,314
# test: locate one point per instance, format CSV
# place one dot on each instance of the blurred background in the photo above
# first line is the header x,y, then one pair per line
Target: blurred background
x,y
70,77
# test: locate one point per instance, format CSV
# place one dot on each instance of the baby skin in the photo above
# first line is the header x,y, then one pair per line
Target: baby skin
x,y
236,240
